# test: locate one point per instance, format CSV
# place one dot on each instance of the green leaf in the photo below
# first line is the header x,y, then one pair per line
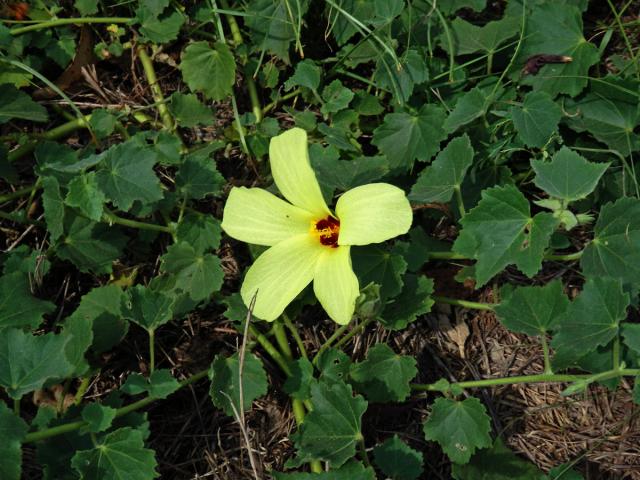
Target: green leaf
x,y
469,38
117,455
90,246
438,181
30,262
98,416
225,382
15,103
334,365
101,308
126,175
12,431
102,122
384,376
159,29
347,174
631,335
533,310
160,384
199,177
414,300
568,176
397,460
352,470
404,137
211,71
401,77
331,431
85,195
536,120
452,6
564,472
27,361
615,248
199,275
460,427
148,308
86,7
470,106
497,463
609,114
375,264
593,318
307,74
18,308
387,10
298,384
202,232
274,24
336,97
189,111
53,207
500,231
557,28
343,27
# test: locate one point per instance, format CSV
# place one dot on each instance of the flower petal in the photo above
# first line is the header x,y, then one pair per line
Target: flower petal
x,y
280,274
292,172
373,213
335,284
254,215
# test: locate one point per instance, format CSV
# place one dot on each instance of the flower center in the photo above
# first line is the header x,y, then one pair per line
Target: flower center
x,y
327,230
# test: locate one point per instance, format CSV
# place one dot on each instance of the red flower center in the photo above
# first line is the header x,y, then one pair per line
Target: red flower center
x,y
328,231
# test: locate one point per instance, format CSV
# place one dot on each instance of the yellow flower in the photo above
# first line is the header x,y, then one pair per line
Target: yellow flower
x,y
308,242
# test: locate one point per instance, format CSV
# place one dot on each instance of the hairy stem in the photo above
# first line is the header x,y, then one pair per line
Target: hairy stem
x,y
464,303
156,91
59,22
111,218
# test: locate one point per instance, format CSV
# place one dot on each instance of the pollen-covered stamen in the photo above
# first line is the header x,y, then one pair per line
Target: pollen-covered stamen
x,y
327,230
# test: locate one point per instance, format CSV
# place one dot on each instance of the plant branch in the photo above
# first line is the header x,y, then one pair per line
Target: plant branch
x,y
156,91
464,303
132,407
111,218
539,378
59,22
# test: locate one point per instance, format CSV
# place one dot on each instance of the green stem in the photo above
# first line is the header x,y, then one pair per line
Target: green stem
x,y
18,193
625,37
53,134
616,353
354,331
545,352
16,406
363,452
251,84
152,350
59,22
539,378
111,218
132,407
82,389
464,303
296,335
459,201
339,331
270,349
296,404
156,91
286,96
564,257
